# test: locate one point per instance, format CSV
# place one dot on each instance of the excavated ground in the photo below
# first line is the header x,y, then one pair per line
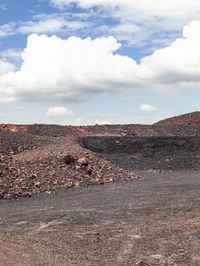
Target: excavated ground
x,y
146,153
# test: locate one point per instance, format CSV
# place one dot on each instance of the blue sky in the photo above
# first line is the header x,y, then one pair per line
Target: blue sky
x,y
86,62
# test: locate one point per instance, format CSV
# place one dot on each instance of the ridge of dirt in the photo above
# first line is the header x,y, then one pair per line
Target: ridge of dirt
x,y
189,118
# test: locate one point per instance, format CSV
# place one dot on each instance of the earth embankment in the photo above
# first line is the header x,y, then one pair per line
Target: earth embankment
x,y
172,153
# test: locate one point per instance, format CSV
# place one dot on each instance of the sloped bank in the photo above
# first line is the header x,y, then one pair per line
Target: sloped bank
x,y
130,153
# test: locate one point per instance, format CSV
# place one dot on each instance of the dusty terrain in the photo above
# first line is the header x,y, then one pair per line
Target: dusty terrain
x,y
151,221
146,211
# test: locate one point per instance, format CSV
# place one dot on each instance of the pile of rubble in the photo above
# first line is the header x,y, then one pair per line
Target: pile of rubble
x,y
57,164
15,142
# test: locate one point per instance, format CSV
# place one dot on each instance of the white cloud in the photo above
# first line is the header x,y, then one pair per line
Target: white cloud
x,y
72,69
147,108
5,67
83,122
170,8
101,122
170,15
76,69
52,24
59,111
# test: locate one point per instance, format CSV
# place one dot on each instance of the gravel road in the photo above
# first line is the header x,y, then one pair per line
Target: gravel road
x,y
150,221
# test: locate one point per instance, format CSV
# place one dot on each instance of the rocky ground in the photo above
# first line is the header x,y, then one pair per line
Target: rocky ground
x,y
151,219
37,158
31,164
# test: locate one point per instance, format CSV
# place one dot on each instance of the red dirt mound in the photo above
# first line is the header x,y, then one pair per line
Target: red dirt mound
x,y
14,128
189,118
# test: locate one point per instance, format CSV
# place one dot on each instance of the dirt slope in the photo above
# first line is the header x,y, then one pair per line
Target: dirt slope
x,y
31,164
189,118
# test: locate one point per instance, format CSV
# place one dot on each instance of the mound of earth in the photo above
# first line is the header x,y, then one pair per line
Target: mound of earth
x,y
31,164
189,118
14,128
15,142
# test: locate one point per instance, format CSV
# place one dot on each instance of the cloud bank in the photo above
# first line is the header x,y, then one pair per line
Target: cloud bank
x,y
76,69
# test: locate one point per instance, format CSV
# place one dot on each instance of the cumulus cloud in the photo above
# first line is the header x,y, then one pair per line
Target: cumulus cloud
x,y
58,111
5,67
76,69
72,69
147,108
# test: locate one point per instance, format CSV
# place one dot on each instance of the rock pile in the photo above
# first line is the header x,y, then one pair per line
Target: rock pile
x,y
58,163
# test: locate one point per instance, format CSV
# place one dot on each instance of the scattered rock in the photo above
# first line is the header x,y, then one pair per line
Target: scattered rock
x,y
66,158
42,164
141,263
82,161
89,170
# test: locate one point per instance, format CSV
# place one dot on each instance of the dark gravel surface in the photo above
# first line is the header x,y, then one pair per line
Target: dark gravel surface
x,y
168,153
151,221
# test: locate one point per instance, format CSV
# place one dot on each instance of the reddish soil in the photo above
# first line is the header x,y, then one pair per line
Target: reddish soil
x,y
190,118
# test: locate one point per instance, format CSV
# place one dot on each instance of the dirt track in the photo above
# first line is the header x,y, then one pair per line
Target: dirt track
x,y
154,220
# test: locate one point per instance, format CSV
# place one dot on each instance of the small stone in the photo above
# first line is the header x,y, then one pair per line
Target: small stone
x,y
141,263
33,176
37,184
82,161
77,167
66,158
89,170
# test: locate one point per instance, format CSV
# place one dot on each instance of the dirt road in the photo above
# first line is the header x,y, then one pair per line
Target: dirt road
x,y
150,221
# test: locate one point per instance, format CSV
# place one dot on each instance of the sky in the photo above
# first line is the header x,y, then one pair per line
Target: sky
x,y
98,61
